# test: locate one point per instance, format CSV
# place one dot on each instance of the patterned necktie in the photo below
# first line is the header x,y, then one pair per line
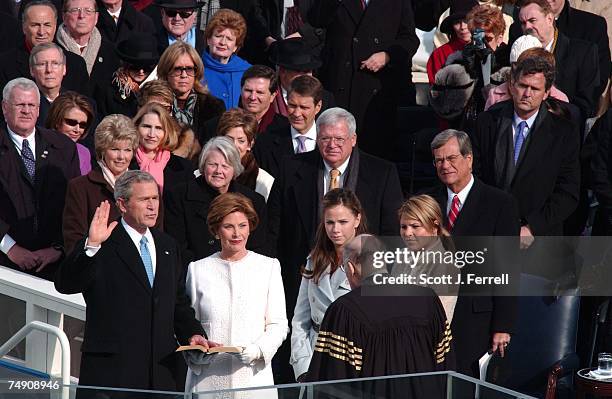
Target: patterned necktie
x,y
301,147
333,179
364,4
519,139
145,255
453,213
28,158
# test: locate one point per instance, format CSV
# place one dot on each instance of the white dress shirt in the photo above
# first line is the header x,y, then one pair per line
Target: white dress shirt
x,y
463,194
326,177
311,138
135,236
515,122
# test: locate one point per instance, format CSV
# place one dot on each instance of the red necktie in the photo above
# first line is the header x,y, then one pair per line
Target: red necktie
x,y
453,213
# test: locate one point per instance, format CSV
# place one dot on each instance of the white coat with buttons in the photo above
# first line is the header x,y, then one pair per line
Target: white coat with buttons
x,y
312,302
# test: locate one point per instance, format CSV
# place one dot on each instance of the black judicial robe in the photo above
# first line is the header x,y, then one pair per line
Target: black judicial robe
x,y
379,331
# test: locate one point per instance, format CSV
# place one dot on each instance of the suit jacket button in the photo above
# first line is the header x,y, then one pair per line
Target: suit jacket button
x,y
355,40
376,40
347,64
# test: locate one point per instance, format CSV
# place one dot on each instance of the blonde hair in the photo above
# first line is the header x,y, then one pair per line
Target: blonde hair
x,y
114,127
168,123
426,210
172,54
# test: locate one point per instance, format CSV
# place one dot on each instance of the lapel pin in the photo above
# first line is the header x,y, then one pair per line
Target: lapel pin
x,y
44,154
167,253
100,59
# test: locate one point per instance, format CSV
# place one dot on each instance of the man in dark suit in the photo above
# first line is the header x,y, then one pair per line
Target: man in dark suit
x,y
259,86
522,148
294,205
294,58
576,61
304,103
78,34
578,24
35,166
118,19
48,68
368,51
480,322
133,283
39,26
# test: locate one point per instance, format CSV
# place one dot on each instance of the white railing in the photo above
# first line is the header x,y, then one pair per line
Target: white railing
x,y
43,304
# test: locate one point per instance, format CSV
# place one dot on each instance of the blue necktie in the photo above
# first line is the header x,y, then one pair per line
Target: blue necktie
x,y
146,259
28,158
519,139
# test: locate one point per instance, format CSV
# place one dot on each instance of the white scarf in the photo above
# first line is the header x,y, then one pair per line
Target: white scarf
x,y
108,175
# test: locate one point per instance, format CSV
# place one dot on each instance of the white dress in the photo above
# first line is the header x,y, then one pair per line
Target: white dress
x,y
238,303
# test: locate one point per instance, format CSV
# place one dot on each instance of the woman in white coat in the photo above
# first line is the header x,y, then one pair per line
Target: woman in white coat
x,y
323,278
238,297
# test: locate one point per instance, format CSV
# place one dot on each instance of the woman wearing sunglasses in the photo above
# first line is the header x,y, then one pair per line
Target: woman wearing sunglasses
x,y
72,114
181,66
138,54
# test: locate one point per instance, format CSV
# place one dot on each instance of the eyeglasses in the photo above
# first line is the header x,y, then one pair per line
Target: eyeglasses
x,y
178,71
183,13
49,64
74,122
84,10
451,158
328,140
137,68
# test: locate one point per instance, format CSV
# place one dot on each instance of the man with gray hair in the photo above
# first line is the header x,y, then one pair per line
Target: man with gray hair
x,y
294,205
35,166
48,68
39,26
474,209
362,336
131,273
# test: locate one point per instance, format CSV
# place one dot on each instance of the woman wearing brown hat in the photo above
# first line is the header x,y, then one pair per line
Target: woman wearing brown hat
x,y
138,56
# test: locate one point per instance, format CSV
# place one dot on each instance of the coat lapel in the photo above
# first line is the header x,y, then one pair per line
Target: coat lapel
x,y
127,252
502,163
164,254
44,150
469,210
305,191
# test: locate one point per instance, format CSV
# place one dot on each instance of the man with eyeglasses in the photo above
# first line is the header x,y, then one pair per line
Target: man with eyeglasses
x,y
298,190
472,208
79,35
35,167
48,68
39,26
118,19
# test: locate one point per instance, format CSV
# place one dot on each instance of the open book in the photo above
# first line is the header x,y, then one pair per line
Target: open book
x,y
217,349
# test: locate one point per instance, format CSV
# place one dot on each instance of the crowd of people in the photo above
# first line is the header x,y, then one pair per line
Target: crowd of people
x,y
221,173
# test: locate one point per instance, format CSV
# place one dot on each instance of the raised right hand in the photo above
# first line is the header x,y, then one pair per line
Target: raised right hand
x,y
99,229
